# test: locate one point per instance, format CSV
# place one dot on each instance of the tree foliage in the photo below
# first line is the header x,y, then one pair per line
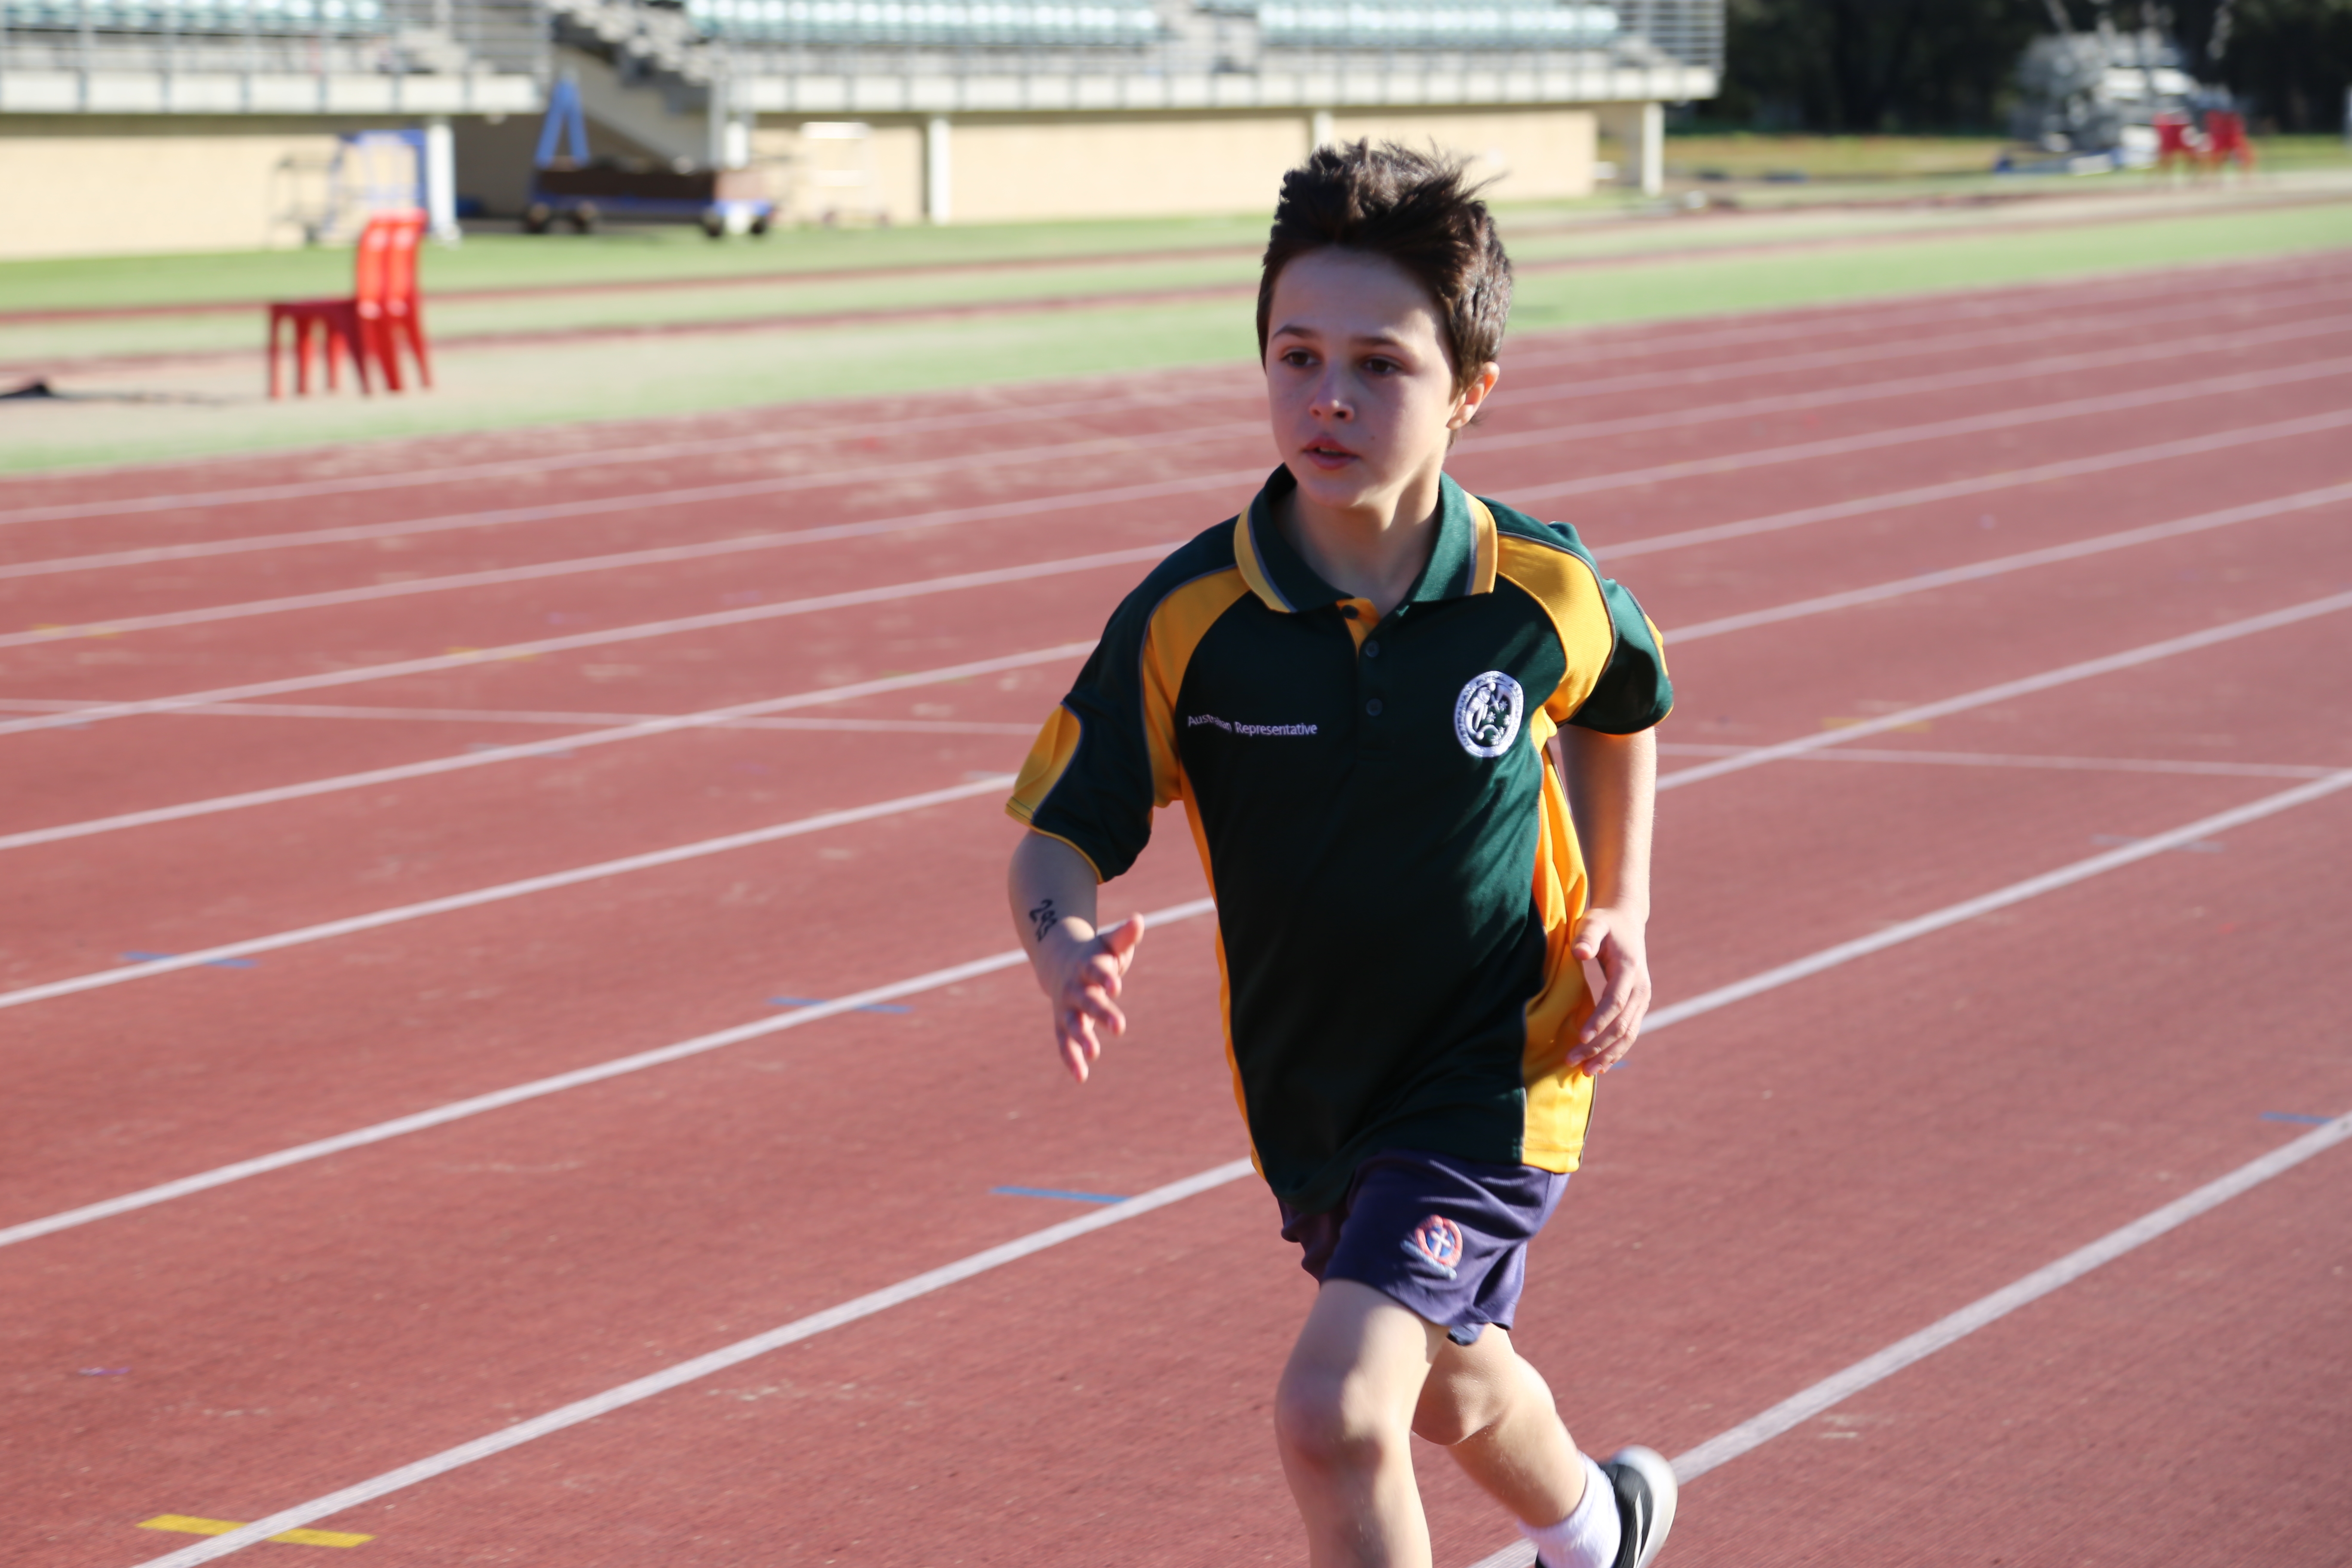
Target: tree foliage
x,y
1938,65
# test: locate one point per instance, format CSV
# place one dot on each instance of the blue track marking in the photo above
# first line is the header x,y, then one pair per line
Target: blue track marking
x,y
1057,1193
136,957
819,1002
2298,1116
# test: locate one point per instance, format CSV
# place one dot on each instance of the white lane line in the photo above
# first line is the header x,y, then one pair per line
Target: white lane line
x,y
2147,653
744,543
562,745
1663,1017
1758,1430
1740,761
667,451
1579,351
1951,490
1498,442
718,716
703,1366
1872,353
2024,561
149,556
2000,898
2174,1214
890,592
1929,308
474,898
2021,760
1921,386
558,720
1934,430
539,1089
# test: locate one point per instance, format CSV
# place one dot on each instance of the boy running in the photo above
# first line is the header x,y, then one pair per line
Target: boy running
x,y
1355,687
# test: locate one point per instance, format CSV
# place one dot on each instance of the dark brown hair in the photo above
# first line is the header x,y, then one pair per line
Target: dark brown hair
x,y
1419,211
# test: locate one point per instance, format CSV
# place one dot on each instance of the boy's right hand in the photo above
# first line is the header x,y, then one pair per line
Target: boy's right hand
x,y
1082,976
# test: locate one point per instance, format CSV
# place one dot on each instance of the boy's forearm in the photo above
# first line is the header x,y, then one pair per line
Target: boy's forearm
x,y
1051,889
1613,785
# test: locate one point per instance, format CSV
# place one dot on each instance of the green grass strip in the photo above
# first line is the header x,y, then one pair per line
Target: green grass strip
x,y
557,381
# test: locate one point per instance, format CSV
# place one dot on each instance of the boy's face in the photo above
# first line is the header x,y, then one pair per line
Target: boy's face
x,y
1357,381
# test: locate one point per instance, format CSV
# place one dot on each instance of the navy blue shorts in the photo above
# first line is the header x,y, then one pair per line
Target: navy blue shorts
x,y
1445,1239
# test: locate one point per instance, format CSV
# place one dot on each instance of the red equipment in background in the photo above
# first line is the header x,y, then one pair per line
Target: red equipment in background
x,y
369,326
2225,139
2221,140
2176,137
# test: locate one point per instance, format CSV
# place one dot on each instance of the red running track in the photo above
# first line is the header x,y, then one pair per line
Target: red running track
x,y
1778,1188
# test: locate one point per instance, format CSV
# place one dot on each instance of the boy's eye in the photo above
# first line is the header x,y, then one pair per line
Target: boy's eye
x,y
1296,357
1381,366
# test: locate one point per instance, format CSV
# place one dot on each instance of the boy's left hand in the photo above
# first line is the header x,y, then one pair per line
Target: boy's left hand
x,y
1612,938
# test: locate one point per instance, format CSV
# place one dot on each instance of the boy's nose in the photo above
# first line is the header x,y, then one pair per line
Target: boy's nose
x,y
1329,405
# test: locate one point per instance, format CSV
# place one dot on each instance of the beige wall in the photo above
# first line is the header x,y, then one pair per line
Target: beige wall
x,y
1124,166
1531,155
891,159
87,187
75,186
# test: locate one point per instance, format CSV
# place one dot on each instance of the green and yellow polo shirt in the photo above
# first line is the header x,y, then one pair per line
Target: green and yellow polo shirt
x,y
1395,870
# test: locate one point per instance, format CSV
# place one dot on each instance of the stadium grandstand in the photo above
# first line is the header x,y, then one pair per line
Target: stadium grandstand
x,y
166,126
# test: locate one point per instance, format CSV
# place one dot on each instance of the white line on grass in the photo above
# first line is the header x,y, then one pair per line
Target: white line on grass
x,y
357,675
1717,1450
1760,1429
1663,1017
499,893
539,1089
635,730
1579,352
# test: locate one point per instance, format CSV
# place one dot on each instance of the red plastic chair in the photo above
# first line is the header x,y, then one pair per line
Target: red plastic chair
x,y
2176,137
2226,141
369,327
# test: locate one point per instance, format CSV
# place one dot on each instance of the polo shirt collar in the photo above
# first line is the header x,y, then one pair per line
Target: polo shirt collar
x,y
1462,562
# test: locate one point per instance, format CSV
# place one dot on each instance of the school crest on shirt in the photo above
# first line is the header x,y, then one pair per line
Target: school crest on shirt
x,y
1486,715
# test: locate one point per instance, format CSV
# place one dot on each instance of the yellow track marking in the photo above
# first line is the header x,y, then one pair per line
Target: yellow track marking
x,y
186,1524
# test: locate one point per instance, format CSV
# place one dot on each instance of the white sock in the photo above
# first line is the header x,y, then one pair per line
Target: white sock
x,y
1585,1538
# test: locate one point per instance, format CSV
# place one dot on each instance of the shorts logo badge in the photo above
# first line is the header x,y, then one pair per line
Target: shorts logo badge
x,y
1439,1241
1486,715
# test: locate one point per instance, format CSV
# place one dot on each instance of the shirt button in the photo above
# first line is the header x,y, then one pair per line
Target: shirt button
x,y
1348,611
1373,708
1371,648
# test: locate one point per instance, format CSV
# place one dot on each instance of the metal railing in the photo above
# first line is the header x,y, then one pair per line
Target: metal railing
x,y
273,38
789,38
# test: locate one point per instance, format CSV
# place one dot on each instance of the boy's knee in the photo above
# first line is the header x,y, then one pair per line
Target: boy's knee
x,y
1471,1392
1333,1422
1456,1410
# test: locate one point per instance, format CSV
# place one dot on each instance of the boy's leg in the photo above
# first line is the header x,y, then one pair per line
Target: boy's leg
x,y
1495,1415
1343,1417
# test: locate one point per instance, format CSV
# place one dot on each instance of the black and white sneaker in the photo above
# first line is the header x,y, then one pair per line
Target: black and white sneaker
x,y
1644,1484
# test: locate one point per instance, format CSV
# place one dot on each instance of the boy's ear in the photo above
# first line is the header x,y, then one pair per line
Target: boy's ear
x,y
1467,403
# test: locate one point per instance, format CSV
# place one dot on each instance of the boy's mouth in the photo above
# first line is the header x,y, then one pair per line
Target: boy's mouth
x,y
1327,454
